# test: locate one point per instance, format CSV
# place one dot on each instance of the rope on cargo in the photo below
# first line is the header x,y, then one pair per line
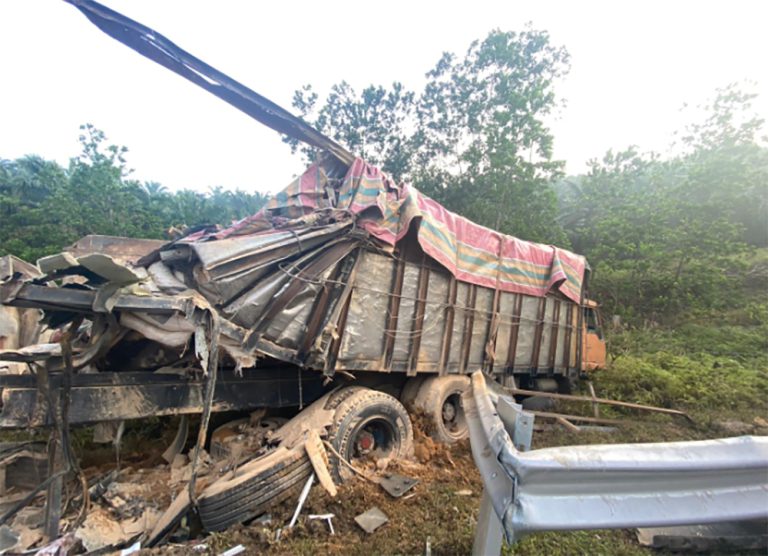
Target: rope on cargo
x,y
485,315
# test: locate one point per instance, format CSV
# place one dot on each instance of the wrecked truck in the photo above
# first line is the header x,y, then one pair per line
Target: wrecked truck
x,y
345,277
348,292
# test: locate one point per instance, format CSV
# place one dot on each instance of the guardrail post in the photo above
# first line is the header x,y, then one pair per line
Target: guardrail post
x,y
490,532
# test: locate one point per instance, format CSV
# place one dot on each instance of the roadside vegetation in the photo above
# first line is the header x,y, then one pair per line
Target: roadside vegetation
x,y
678,245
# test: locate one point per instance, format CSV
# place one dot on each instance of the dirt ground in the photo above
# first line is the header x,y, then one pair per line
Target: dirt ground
x,y
441,511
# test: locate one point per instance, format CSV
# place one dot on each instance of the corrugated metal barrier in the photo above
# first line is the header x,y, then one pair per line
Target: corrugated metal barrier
x,y
608,486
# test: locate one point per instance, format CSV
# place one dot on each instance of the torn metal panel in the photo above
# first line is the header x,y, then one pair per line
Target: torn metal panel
x,y
613,486
121,249
169,330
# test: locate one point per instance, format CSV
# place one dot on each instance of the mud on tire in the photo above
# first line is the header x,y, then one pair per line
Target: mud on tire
x,y
369,423
439,399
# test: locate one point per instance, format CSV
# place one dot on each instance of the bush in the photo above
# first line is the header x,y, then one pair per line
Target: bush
x,y
700,382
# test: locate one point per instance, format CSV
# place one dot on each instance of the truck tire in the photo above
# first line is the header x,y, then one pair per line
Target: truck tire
x,y
439,399
254,488
410,391
369,423
340,395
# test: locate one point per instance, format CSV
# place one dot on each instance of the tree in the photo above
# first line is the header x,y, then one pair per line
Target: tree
x,y
474,139
45,207
373,125
666,236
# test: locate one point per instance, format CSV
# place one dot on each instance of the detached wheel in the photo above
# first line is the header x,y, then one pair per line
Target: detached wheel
x,y
254,488
439,399
369,424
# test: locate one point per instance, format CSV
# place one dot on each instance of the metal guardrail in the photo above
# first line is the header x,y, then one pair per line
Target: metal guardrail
x,y
609,486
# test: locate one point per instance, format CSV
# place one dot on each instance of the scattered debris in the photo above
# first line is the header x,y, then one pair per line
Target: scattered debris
x,y
8,538
100,529
60,547
179,440
234,551
302,499
133,549
371,520
264,519
396,485
328,519
319,458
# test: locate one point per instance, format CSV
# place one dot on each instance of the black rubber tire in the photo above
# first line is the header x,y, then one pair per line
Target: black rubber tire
x,y
340,395
434,394
365,409
277,476
410,391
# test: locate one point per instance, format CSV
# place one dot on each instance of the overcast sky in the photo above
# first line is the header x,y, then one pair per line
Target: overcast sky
x,y
634,65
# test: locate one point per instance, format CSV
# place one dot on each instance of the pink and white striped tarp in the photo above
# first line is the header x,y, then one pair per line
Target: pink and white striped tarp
x,y
473,253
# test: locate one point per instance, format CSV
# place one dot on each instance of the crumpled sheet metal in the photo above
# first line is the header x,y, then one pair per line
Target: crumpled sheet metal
x,y
614,486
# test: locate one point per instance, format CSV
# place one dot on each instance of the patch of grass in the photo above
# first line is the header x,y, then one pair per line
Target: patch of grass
x,y
703,365
572,543
699,381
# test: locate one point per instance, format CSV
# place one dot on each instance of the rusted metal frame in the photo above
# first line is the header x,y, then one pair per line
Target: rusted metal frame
x,y
336,343
420,307
568,337
75,300
393,312
450,313
553,335
97,397
538,335
469,323
333,349
514,331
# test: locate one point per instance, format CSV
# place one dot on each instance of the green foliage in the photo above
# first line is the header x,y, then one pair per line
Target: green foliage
x,y
668,237
474,139
714,364
571,543
699,382
46,207
373,125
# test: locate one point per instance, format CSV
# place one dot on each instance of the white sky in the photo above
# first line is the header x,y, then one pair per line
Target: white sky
x,y
634,65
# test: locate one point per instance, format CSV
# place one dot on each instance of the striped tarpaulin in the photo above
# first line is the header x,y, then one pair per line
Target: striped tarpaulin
x,y
472,253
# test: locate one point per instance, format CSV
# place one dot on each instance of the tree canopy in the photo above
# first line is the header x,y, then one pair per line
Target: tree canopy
x,y
46,206
474,139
